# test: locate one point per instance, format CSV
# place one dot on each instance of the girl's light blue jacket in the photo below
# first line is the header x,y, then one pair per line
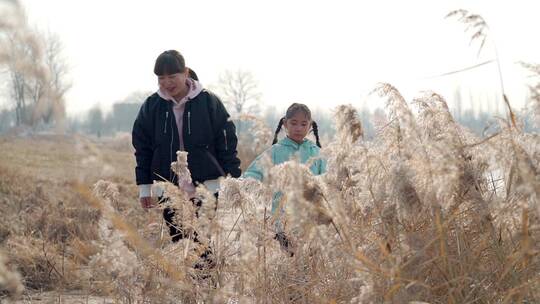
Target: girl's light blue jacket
x,y
285,150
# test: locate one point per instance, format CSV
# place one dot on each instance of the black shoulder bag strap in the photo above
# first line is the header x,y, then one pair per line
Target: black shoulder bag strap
x,y
212,157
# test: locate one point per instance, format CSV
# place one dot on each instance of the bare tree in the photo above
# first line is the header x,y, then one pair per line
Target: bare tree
x,y
239,89
58,72
36,70
20,69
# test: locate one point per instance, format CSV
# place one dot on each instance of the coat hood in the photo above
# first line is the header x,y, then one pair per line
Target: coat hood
x,y
195,88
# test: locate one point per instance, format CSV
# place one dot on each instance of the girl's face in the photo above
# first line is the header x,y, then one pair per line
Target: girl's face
x,y
173,84
297,126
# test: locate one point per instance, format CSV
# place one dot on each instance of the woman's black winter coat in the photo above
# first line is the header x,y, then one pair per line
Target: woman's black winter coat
x,y
208,133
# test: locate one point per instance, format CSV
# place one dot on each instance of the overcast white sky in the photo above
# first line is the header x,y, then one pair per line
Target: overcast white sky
x,y
322,53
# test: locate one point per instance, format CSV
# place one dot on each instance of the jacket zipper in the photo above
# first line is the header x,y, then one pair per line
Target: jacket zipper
x,y
225,134
189,122
165,124
171,176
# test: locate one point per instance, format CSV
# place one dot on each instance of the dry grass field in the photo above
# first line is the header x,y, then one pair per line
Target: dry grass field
x,y
424,213
46,226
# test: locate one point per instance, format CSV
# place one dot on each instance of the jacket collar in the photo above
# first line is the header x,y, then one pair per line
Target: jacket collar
x,y
286,141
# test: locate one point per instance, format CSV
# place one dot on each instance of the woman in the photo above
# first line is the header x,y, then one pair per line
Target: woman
x,y
182,115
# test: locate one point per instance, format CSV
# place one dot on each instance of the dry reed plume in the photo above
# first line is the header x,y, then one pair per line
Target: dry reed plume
x,y
426,212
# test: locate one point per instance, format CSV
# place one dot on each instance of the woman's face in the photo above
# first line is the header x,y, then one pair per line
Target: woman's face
x,y
297,126
173,84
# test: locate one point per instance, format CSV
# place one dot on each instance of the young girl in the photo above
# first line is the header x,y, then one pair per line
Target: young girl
x,y
297,123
